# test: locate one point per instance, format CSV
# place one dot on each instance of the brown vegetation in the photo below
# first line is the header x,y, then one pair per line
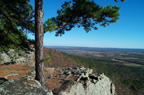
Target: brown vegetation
x,y
55,81
58,59
21,69
24,70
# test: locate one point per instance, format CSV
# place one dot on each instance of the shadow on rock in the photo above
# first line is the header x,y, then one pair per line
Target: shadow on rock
x,y
2,80
8,63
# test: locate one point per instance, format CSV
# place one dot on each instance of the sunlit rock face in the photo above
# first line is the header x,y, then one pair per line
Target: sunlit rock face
x,y
23,86
17,57
86,83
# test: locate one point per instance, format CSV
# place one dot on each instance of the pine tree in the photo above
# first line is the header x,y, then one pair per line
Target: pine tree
x,y
81,13
15,17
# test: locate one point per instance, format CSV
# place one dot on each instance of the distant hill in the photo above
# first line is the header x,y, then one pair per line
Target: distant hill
x,y
58,59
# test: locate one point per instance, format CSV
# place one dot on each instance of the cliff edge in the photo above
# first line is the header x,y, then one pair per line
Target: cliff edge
x,y
60,81
18,78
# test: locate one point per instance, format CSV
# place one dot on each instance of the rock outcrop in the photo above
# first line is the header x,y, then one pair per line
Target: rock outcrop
x,y
86,83
72,80
13,57
23,86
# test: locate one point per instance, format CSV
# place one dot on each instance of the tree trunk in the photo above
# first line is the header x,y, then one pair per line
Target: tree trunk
x,y
39,67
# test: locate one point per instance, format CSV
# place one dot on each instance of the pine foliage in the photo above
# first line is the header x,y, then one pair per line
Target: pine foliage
x,y
84,13
15,18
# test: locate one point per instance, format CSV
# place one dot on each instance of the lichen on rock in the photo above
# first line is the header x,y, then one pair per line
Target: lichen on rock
x,y
22,87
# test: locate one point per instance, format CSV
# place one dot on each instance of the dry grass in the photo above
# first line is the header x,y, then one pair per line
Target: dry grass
x,y
55,82
27,83
21,69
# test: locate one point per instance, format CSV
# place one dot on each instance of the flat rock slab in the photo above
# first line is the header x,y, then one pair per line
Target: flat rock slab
x,y
22,87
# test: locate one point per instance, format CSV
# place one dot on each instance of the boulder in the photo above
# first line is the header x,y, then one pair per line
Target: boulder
x,y
11,57
70,88
22,86
86,84
4,58
101,87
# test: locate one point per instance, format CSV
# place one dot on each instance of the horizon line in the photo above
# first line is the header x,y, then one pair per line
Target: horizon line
x,y
95,47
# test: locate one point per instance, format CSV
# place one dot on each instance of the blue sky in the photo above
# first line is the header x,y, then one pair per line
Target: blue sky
x,y
127,32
